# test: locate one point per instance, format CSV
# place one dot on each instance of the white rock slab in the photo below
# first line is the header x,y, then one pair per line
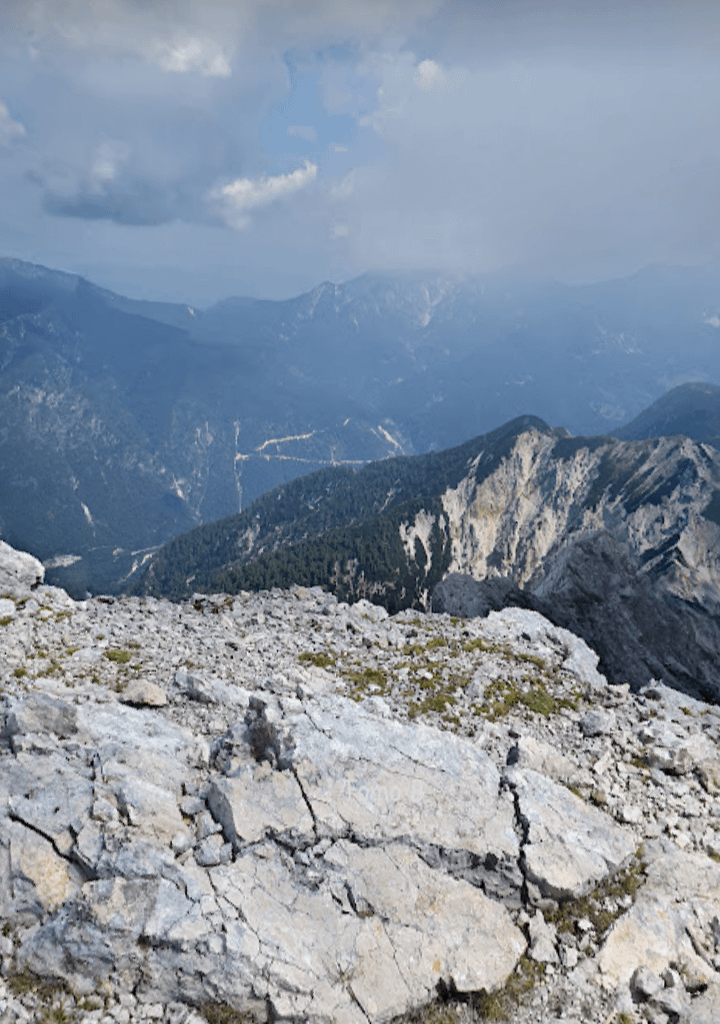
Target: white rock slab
x,y
569,846
658,931
39,878
445,928
383,780
260,801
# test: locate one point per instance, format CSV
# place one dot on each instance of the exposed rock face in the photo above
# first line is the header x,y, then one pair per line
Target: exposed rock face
x,y
631,566
549,491
19,571
314,811
596,588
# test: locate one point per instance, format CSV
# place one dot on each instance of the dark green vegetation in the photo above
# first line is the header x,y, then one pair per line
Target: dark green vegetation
x,y
339,528
220,1013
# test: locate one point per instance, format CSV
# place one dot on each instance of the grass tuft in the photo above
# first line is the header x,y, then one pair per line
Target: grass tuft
x,y
320,659
119,657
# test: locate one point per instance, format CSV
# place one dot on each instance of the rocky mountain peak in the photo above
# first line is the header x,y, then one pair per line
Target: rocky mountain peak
x,y
279,806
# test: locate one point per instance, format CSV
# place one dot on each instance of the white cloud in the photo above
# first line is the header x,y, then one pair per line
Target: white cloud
x,y
9,129
238,197
192,53
108,160
559,165
428,75
303,131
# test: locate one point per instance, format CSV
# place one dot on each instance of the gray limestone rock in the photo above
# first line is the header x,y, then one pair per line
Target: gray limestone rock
x,y
644,983
569,846
458,594
383,780
334,843
19,572
141,693
38,713
671,920
598,722
542,940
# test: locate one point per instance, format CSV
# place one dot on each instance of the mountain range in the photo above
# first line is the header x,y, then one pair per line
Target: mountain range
x,y
127,422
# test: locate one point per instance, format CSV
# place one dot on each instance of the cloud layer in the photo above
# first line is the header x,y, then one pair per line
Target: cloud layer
x,y
262,145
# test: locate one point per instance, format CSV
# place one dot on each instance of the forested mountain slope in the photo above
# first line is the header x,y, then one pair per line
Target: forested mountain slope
x,y
127,422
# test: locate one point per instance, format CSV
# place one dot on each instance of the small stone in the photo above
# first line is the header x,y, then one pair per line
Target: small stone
x,y
569,957
709,775
208,853
644,983
191,805
181,842
542,940
598,722
630,814
671,1000
144,694
205,825
671,978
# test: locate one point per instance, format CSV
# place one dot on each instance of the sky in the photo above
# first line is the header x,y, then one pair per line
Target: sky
x,y
189,150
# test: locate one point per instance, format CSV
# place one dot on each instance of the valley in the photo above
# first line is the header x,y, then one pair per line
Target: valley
x,y
144,419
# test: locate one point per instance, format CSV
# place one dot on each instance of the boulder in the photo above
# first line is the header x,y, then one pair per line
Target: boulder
x,y
19,572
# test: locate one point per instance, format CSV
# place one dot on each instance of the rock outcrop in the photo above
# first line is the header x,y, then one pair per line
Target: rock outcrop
x,y
19,572
289,808
594,587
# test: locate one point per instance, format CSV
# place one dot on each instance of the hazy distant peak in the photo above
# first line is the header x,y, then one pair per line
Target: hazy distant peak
x,y
691,409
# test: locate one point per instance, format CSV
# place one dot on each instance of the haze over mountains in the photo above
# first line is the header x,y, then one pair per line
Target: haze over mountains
x,y
127,422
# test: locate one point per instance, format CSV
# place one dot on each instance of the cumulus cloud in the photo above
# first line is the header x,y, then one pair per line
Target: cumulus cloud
x,y
9,129
171,36
428,75
303,131
236,199
116,186
134,202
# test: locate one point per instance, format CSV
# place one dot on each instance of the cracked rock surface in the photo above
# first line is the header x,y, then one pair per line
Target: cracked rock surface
x,y
295,809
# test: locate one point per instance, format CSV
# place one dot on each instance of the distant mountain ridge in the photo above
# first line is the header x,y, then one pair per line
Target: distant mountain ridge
x,y
692,410
126,422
